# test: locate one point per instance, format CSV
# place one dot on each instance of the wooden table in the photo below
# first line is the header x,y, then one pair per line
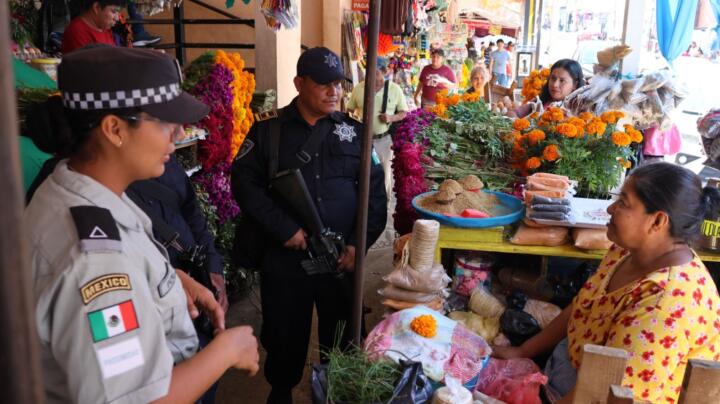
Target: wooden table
x,y
495,240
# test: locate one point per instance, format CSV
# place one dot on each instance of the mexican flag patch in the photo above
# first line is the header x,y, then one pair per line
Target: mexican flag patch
x,y
112,321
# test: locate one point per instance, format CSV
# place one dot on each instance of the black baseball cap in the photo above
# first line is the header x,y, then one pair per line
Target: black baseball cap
x,y
322,65
111,77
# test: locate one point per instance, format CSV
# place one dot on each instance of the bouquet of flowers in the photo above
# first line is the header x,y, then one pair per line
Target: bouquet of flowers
x,y
532,86
591,149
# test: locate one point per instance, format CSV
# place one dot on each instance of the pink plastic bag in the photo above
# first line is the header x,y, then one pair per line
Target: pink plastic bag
x,y
662,143
515,381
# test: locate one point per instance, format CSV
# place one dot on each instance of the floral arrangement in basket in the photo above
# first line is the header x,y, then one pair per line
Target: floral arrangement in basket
x,y
591,149
466,139
533,85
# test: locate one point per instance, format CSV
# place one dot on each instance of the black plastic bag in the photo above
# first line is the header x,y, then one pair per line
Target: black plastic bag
x,y
516,300
518,326
412,387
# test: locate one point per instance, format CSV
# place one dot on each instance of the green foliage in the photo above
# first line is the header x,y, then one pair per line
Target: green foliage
x,y
353,378
198,69
469,142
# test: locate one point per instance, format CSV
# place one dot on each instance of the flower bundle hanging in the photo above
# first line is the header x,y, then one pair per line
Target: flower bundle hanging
x,y
533,85
243,86
407,168
219,80
591,149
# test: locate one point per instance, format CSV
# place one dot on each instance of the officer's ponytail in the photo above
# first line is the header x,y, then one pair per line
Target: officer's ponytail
x,y
63,132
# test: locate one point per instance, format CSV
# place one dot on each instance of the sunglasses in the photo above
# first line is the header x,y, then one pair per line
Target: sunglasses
x,y
174,130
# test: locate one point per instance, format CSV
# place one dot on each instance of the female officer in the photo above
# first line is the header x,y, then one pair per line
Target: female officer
x,y
112,318
651,294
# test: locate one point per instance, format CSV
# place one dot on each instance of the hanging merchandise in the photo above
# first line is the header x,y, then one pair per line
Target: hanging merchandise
x,y
280,13
393,15
151,7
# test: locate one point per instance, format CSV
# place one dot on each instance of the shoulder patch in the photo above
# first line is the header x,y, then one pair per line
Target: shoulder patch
x,y
264,116
96,229
245,148
112,321
104,284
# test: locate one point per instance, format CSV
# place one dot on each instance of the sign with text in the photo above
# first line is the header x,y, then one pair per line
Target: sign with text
x,y
361,5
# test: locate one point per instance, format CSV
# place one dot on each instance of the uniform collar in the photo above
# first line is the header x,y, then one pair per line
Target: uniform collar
x,y
123,210
292,112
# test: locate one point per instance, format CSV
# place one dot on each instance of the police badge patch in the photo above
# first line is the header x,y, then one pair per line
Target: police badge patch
x,y
345,132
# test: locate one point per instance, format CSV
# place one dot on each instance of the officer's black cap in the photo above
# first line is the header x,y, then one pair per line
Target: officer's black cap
x,y
322,65
111,78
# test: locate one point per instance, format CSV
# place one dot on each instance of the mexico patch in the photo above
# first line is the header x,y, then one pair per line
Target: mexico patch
x,y
100,286
113,321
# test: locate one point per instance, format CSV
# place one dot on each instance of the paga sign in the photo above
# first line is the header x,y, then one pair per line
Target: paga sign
x,y
361,5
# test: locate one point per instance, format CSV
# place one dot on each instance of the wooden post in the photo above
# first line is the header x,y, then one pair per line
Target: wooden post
x,y
601,367
365,155
622,395
20,370
701,383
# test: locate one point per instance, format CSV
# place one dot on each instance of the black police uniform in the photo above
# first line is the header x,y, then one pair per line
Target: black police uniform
x,y
288,293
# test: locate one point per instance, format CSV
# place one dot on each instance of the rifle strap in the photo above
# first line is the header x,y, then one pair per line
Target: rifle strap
x,y
304,155
168,236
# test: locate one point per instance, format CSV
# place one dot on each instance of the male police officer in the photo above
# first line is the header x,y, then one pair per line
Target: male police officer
x,y
325,145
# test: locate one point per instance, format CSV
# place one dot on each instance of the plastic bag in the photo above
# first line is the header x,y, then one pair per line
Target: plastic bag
x,y
405,277
452,393
436,304
481,398
395,293
412,387
591,239
548,236
486,327
515,381
542,312
501,340
518,326
471,271
484,304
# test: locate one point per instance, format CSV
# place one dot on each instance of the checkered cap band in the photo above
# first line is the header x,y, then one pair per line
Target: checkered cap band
x,y
122,98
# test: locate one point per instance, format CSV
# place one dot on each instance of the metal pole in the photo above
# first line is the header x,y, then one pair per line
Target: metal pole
x,y
364,186
179,28
20,370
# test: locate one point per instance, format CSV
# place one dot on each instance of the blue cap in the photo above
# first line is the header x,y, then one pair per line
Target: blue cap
x,y
322,65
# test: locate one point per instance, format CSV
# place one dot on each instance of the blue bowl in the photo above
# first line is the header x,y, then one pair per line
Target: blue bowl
x,y
510,204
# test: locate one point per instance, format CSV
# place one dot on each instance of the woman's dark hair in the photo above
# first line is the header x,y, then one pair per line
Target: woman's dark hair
x,y
63,132
679,193
574,70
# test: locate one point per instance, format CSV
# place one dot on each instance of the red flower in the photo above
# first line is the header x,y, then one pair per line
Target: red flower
x,y
668,341
697,295
666,361
701,340
702,320
627,321
701,281
678,313
646,393
669,321
684,276
646,375
627,340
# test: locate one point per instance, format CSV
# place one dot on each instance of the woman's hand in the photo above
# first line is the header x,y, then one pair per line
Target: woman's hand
x,y
245,346
508,352
201,298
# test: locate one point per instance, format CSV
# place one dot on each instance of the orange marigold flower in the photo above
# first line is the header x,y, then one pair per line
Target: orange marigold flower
x,y
534,136
636,136
533,163
521,124
550,153
553,114
567,130
624,163
534,116
620,139
454,99
586,116
612,116
439,110
596,127
424,325
545,73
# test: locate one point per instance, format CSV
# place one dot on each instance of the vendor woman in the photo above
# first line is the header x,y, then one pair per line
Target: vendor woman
x,y
566,76
478,78
651,295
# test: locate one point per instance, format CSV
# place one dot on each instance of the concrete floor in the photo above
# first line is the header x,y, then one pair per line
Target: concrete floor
x,y
237,387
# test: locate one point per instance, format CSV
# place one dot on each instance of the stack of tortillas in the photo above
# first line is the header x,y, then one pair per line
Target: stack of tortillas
x,y
425,236
416,279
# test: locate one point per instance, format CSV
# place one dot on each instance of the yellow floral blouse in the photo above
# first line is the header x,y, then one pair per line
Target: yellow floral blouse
x,y
663,319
